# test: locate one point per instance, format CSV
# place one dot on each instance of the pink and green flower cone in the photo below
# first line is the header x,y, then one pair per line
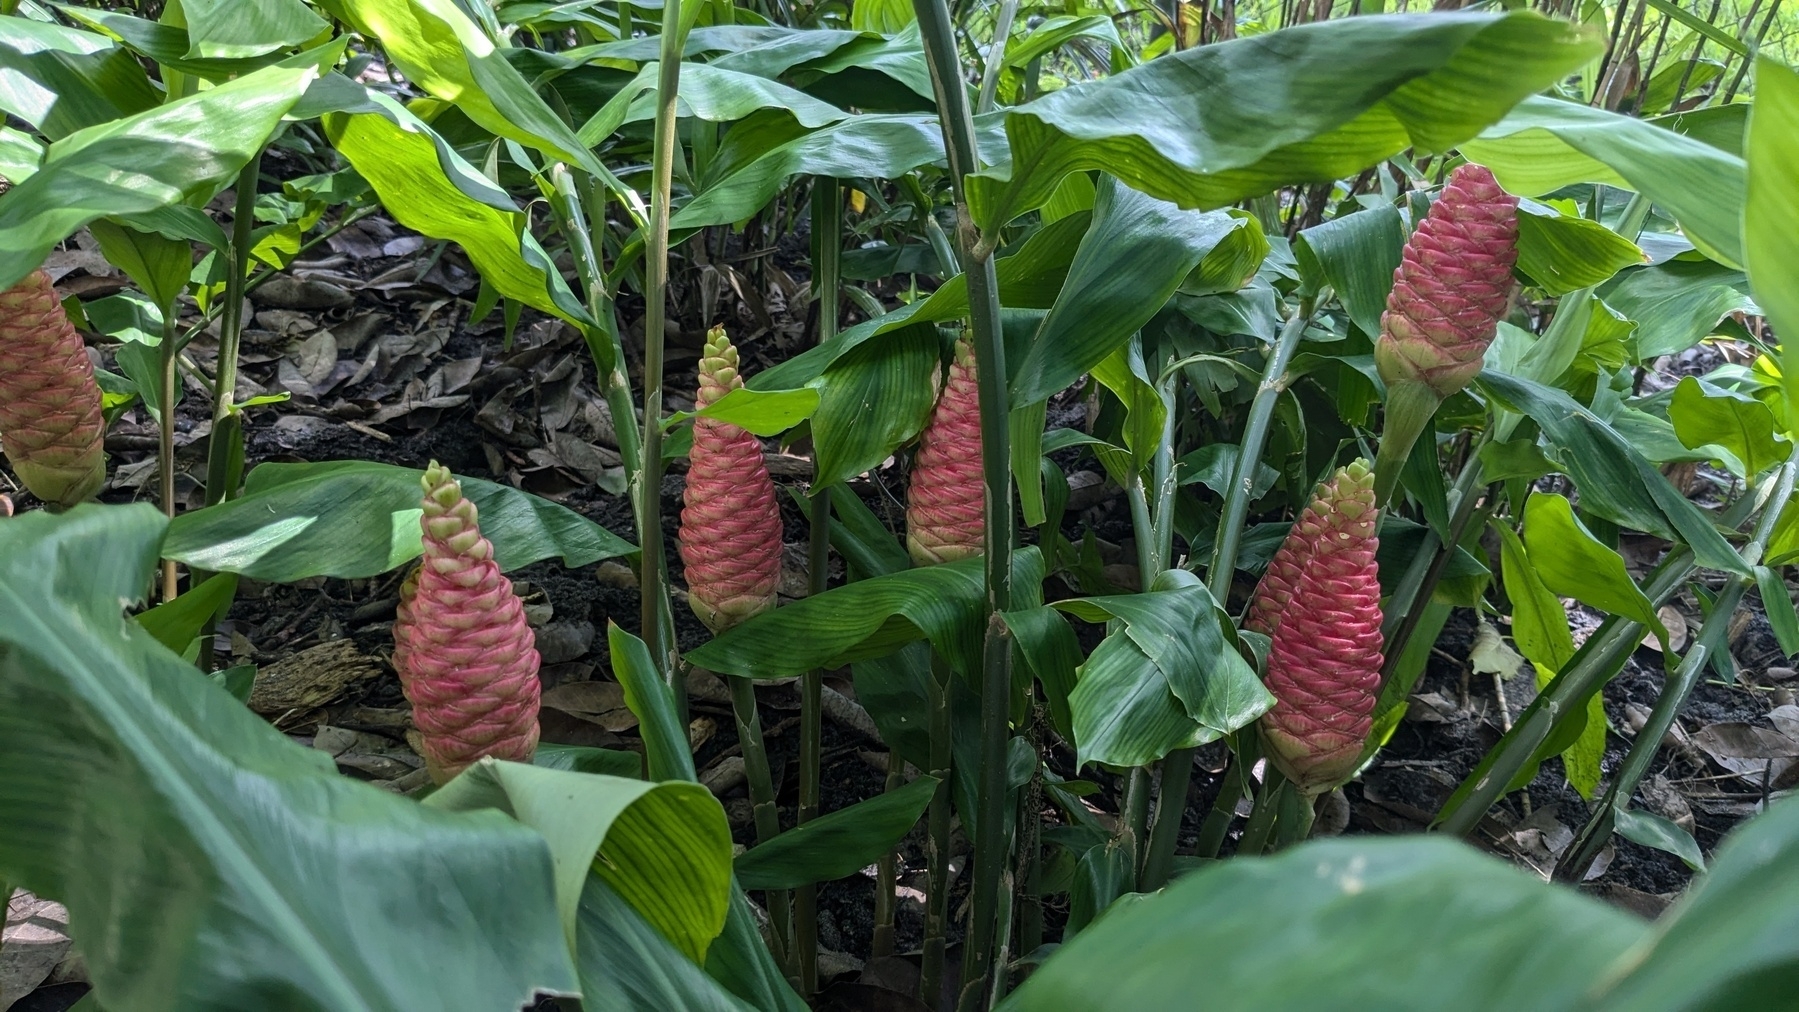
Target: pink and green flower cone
x,y
1453,284
730,537
51,425
1321,604
466,657
946,501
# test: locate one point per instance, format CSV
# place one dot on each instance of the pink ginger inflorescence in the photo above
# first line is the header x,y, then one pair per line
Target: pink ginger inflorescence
x,y
51,424
1452,286
466,657
730,537
1321,604
946,501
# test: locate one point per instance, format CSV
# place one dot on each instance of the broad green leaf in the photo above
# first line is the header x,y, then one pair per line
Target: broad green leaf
x,y
1539,622
1678,303
864,541
1171,647
622,956
1572,563
871,401
712,94
61,80
1737,422
1546,144
175,623
1136,253
1209,126
885,16
20,154
1585,750
1414,923
239,869
1562,252
1049,647
158,265
1732,942
355,518
1215,466
186,150
171,47
665,848
236,29
1783,544
740,960
864,620
1777,602
1771,221
763,412
836,845
1651,830
1124,374
428,187
585,759
1516,458
1356,255
666,751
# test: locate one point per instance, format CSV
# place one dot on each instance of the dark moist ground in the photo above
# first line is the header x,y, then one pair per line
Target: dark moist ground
x,y
1426,758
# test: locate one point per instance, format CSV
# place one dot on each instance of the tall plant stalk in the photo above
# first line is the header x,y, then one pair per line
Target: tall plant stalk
x,y
937,32
657,633
1177,768
225,451
936,854
165,447
827,226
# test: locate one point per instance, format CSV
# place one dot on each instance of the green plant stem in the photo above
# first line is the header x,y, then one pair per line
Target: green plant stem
x,y
1410,408
1233,784
937,31
887,877
1263,817
1579,855
1030,842
936,917
225,450
657,634
603,343
996,54
1427,564
165,452
1177,767
762,796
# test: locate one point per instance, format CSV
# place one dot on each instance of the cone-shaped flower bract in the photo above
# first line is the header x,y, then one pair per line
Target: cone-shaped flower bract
x,y
730,537
946,501
466,657
1323,611
1451,287
51,425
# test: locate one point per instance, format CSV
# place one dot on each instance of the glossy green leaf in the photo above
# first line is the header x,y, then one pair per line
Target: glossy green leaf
x,y
1737,422
1783,544
873,400
1771,221
1562,252
1546,144
1651,830
176,623
1413,923
239,870
864,620
429,188
712,94
1049,647
20,154
355,518
1356,255
236,29
1137,252
884,16
665,848
1777,602
1572,563
633,967
1215,466
1539,622
61,80
666,751
740,960
585,759
1209,126
763,412
1678,303
836,845
158,265
186,150
171,47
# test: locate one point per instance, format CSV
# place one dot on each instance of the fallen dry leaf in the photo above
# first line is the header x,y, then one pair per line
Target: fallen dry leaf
x,y
313,677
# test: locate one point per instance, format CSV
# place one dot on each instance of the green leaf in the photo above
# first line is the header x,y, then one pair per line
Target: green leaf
x,y
236,29
884,16
1561,253
1651,830
585,759
837,845
1168,677
240,870
171,46
712,94
1572,563
1737,422
666,751
1678,303
1137,252
1582,758
1771,220
1546,144
1414,923
157,265
61,80
1356,255
429,188
1049,647
1516,458
864,620
763,412
664,848
20,154
1539,622
622,956
186,150
1215,466
1777,601
175,623
1209,126
355,518
872,400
